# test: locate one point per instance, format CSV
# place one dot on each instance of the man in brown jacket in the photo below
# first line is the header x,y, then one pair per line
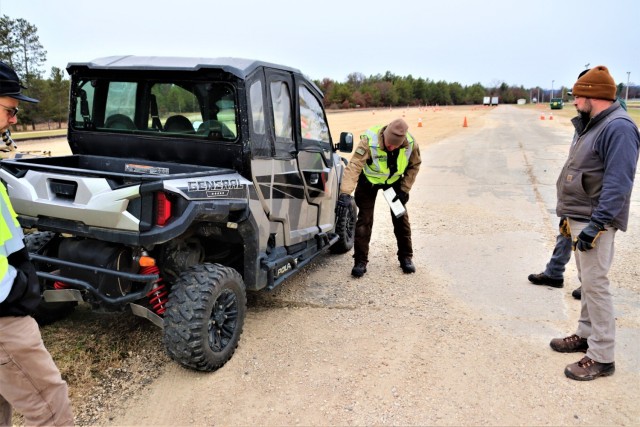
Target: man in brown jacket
x,y
387,156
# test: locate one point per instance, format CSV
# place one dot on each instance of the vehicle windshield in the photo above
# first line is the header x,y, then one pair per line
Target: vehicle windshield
x,y
190,109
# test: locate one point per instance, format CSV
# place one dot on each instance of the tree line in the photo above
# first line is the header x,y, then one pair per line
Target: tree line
x,y
390,90
20,47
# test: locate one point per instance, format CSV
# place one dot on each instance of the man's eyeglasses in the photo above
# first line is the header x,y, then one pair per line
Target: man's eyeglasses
x,y
12,111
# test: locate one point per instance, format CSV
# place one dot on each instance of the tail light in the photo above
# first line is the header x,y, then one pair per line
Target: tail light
x,y
163,209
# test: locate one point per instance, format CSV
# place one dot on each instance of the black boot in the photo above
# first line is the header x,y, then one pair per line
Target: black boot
x,y
577,293
359,269
407,265
543,279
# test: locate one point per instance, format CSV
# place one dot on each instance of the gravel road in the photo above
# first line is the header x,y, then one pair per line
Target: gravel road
x,y
464,341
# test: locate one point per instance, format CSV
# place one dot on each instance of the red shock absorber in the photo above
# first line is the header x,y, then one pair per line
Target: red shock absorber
x,y
59,285
158,296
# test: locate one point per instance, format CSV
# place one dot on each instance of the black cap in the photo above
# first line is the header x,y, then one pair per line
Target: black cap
x,y
10,84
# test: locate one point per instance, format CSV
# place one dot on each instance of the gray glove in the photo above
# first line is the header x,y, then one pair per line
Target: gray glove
x,y
587,238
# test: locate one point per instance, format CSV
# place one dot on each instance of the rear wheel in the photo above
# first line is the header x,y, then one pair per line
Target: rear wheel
x,y
205,315
42,242
345,228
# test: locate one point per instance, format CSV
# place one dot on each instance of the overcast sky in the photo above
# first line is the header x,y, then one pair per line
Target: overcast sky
x,y
518,42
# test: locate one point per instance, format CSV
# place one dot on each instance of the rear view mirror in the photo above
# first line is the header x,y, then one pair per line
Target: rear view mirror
x,y
346,142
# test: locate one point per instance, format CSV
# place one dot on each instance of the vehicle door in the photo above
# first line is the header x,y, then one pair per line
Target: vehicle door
x,y
277,178
315,154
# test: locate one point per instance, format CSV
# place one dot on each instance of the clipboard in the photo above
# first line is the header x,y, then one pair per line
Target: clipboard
x,y
396,207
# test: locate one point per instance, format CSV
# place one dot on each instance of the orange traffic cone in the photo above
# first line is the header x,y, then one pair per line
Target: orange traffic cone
x,y
420,122
542,116
550,116
464,124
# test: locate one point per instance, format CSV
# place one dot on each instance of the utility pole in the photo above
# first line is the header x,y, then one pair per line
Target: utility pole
x,y
626,96
552,81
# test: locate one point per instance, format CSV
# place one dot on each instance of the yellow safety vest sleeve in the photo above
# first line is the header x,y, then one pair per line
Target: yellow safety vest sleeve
x,y
11,240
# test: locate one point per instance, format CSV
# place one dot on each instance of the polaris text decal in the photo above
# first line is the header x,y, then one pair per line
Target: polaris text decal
x,y
285,268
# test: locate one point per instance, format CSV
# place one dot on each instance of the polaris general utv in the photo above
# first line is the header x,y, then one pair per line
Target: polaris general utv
x,y
191,181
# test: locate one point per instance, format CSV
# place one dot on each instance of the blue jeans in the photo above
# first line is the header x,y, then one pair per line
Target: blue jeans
x,y
560,257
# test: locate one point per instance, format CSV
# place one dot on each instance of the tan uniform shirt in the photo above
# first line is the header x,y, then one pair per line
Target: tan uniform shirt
x,y
363,153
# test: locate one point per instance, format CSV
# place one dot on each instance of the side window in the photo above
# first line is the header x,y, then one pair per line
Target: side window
x,y
257,107
312,121
281,103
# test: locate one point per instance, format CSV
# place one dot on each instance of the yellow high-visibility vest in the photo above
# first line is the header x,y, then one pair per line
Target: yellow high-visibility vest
x,y
11,240
377,170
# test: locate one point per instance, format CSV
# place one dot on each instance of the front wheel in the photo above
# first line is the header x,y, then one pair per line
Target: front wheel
x,y
205,315
345,228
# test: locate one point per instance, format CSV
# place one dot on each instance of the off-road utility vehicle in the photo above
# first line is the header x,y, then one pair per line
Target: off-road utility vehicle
x,y
192,181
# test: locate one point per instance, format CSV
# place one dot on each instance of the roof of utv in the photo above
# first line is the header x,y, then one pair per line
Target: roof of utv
x,y
237,66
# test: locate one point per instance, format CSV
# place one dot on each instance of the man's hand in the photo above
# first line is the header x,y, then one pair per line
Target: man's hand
x,y
344,200
564,227
343,205
587,238
402,196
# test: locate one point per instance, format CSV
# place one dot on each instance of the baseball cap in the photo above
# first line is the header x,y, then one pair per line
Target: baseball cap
x,y
10,84
396,132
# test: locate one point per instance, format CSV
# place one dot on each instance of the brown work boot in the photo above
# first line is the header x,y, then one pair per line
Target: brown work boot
x,y
359,269
571,344
543,279
588,369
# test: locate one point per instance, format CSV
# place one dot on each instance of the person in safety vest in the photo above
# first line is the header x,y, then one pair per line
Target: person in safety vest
x,y
387,156
30,382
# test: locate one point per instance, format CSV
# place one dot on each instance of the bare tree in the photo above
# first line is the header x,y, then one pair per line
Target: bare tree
x,y
356,79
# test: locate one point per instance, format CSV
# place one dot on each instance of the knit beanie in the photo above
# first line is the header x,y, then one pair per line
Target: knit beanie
x,y
596,83
396,132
